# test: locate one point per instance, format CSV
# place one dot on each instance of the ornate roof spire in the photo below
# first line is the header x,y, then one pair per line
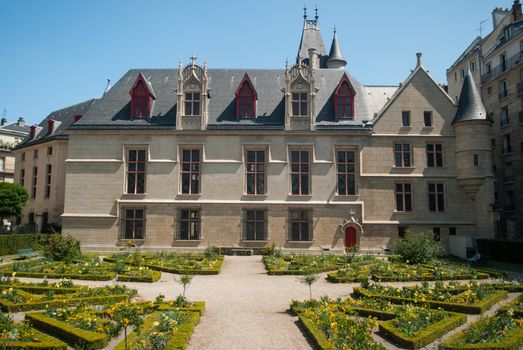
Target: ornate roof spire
x,y
336,59
470,106
304,12
311,39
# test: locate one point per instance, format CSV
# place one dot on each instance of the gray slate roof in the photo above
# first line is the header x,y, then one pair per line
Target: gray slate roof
x,y
16,127
113,109
470,106
63,119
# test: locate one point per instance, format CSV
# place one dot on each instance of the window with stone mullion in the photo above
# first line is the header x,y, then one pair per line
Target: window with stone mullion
x,y
403,197
136,168
300,172
300,225
134,224
436,197
346,168
189,224
434,155
255,225
299,104
402,155
190,170
192,103
255,171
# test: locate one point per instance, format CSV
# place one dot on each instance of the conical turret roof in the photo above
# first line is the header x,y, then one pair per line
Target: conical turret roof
x,y
470,105
335,52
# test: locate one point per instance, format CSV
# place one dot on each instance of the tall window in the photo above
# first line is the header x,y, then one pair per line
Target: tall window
x,y
436,197
191,171
504,120
136,167
140,100
508,174
254,225
506,146
23,156
246,99
2,163
405,118
402,155
33,185
299,99
48,170
255,171
189,224
50,150
503,90
346,169
22,177
403,197
503,60
300,172
192,100
344,99
427,118
436,234
134,224
35,153
434,155
300,225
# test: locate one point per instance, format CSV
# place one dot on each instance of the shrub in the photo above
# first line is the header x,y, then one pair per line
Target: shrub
x,y
9,244
417,248
62,248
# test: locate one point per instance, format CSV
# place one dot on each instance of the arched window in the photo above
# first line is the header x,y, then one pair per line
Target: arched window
x,y
299,99
141,95
246,99
344,99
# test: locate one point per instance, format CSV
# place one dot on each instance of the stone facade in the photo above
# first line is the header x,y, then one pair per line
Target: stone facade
x,y
129,160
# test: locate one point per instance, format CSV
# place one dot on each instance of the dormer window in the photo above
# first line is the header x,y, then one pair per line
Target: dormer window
x,y
299,99
192,99
246,99
344,99
141,96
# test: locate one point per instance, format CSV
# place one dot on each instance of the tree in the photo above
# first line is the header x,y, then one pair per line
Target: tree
x,y
185,280
418,248
308,280
12,199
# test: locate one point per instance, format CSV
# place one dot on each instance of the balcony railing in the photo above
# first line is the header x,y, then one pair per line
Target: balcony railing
x,y
503,67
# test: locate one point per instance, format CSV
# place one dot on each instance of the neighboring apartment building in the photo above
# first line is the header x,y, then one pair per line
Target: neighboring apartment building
x,y
500,58
10,135
40,166
305,157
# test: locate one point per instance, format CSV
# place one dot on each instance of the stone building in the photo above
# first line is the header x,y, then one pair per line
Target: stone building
x,y
306,157
40,166
496,62
10,135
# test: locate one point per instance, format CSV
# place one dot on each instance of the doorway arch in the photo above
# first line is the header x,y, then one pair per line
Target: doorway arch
x,y
350,237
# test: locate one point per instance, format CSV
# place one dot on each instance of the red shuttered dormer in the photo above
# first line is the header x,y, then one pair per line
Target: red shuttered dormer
x,y
142,96
344,99
246,97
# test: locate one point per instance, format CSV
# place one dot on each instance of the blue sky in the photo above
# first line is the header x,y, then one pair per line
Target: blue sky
x,y
58,53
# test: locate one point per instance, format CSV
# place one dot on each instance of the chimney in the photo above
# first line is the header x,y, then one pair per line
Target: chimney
x,y
21,121
77,117
516,10
4,121
32,132
497,16
313,59
50,126
418,59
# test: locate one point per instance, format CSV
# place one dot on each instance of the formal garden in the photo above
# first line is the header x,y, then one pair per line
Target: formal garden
x,y
440,303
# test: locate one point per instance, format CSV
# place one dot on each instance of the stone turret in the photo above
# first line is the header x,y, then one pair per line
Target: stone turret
x,y
473,132
335,59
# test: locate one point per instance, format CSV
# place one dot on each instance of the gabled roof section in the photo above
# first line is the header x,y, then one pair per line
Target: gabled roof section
x,y
248,80
470,106
474,45
146,83
63,118
418,70
344,79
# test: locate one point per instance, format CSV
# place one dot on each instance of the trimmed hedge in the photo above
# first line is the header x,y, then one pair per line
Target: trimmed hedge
x,y
179,340
479,276
9,244
316,335
88,277
44,342
502,250
179,271
477,308
425,336
40,305
197,306
153,277
274,272
513,341
39,289
71,335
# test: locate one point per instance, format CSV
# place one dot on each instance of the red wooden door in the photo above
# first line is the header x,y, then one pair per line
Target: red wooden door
x,y
350,237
